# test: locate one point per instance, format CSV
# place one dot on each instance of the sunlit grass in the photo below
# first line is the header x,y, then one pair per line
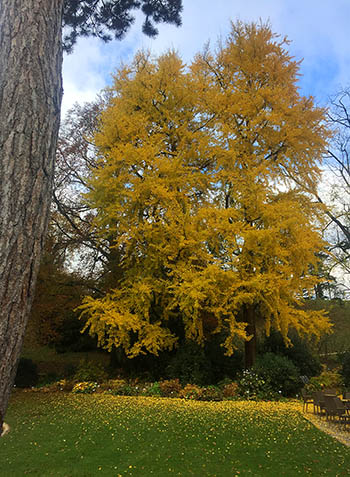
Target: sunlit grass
x,y
87,435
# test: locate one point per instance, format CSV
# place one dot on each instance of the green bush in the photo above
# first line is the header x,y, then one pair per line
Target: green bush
x,y
327,379
126,390
90,371
281,374
299,353
345,368
191,365
252,386
152,389
27,374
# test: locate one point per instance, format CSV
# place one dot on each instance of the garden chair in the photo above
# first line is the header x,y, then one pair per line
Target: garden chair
x,y
336,408
343,411
318,399
330,406
307,399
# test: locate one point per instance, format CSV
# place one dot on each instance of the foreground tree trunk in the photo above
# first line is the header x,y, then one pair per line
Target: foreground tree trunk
x,y
30,101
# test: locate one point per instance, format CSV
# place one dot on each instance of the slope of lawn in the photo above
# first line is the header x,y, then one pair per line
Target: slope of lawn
x,y
87,435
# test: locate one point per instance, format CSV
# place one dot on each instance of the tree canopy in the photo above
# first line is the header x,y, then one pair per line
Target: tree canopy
x,y
194,184
107,18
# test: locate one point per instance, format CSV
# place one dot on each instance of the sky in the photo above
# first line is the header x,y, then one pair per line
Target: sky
x,y
318,31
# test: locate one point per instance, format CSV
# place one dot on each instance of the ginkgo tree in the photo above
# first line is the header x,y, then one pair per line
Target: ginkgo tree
x,y
194,184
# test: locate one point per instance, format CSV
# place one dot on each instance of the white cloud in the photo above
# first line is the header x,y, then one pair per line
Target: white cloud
x,y
318,31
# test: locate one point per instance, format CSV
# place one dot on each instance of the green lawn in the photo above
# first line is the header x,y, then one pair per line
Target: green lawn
x,y
88,435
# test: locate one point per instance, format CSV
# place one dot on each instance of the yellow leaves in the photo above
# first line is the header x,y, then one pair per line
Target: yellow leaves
x,y
195,190
112,322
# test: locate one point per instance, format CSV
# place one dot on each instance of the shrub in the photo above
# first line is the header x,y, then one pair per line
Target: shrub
x,y
27,374
281,374
126,390
86,387
90,371
152,389
345,368
299,353
190,365
113,384
70,338
210,393
221,365
230,390
252,386
327,379
170,387
64,385
190,391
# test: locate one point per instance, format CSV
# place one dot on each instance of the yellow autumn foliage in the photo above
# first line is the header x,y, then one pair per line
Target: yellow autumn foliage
x,y
195,185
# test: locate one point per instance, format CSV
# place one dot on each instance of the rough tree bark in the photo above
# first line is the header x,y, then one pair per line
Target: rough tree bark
x,y
30,100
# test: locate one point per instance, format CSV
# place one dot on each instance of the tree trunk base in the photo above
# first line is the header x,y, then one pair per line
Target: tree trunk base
x,y
5,429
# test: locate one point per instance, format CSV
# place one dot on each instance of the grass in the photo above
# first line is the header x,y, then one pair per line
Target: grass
x,y
87,435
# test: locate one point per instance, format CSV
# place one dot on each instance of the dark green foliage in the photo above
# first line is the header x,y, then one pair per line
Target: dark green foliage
x,y
152,390
339,314
253,386
191,365
300,354
345,368
125,390
279,372
90,371
112,18
70,337
27,374
149,367
223,366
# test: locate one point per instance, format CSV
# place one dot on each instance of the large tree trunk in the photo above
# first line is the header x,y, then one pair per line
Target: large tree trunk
x,y
30,102
250,346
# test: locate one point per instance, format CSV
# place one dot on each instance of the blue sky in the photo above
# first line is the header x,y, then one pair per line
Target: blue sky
x,y
318,30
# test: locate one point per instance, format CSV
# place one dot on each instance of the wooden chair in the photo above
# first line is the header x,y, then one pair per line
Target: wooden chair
x,y
330,406
343,411
307,399
318,399
334,407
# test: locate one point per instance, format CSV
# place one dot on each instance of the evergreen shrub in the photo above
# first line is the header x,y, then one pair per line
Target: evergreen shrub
x,y
90,371
345,368
27,374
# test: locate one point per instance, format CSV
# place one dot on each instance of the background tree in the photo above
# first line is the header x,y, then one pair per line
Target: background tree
x,y
71,217
195,184
337,178
30,100
53,320
333,195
